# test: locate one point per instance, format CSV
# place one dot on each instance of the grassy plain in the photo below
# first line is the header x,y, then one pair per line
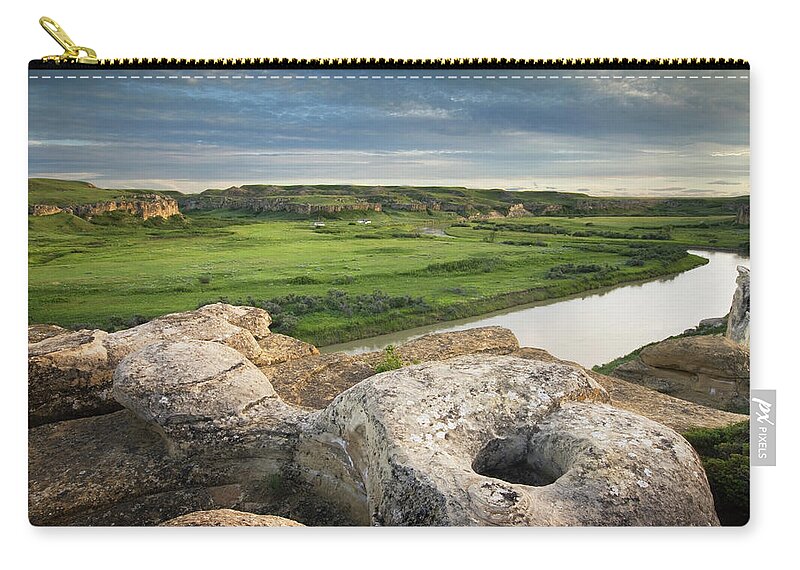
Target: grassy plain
x,y
345,280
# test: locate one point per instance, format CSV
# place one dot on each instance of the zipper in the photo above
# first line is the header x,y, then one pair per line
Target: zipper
x,y
78,57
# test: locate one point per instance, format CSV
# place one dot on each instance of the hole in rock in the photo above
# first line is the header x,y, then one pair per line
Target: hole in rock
x,y
518,459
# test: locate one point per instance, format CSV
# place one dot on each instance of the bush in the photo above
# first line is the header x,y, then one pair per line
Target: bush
x,y
303,280
469,265
116,323
391,361
725,453
204,279
560,271
286,311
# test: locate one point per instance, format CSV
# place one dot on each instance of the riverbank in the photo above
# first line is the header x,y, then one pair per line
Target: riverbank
x,y
381,325
595,327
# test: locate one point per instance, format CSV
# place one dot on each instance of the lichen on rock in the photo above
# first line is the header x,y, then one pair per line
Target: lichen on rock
x,y
471,436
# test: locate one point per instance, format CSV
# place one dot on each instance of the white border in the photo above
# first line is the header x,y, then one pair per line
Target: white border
x,y
415,29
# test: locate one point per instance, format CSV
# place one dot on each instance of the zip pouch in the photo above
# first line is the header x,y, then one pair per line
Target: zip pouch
x,y
380,292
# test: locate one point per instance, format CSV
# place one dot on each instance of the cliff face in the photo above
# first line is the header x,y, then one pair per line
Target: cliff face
x,y
743,216
43,209
146,206
517,211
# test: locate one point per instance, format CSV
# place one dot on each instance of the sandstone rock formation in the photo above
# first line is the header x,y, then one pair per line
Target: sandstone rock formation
x,y
43,210
108,469
499,440
710,370
37,333
472,437
145,206
169,383
236,327
314,382
69,374
739,316
228,517
680,415
278,348
517,211
440,346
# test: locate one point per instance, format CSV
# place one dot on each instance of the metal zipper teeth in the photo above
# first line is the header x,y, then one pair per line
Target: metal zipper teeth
x,y
381,63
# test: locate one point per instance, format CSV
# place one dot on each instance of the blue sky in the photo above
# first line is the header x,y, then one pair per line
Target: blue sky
x,y
624,137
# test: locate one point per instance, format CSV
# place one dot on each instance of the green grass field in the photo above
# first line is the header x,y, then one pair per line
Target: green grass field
x,y
320,284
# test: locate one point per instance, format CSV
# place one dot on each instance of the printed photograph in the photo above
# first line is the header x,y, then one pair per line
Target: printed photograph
x,y
388,297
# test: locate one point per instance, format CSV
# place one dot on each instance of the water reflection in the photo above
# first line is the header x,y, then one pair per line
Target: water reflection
x,y
594,328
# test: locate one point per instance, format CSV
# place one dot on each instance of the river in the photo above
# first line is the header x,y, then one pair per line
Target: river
x,y
596,327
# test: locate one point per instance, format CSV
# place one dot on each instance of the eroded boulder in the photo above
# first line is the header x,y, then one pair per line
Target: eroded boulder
x,y
680,415
278,348
37,333
69,376
315,381
504,441
228,517
109,469
210,323
441,346
69,373
168,383
252,319
711,370
711,355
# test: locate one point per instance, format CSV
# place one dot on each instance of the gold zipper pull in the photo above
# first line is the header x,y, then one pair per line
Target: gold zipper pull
x,y
72,52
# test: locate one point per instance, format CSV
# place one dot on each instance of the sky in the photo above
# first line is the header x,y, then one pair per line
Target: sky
x,y
601,133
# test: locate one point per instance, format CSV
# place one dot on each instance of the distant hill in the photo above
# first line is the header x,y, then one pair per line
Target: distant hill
x,y
463,201
335,199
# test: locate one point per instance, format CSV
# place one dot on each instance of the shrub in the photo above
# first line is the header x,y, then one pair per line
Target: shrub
x,y
204,279
560,271
469,265
303,280
116,323
458,290
391,361
725,454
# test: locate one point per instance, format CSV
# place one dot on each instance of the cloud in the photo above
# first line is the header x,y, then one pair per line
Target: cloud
x,y
730,153
69,175
625,134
